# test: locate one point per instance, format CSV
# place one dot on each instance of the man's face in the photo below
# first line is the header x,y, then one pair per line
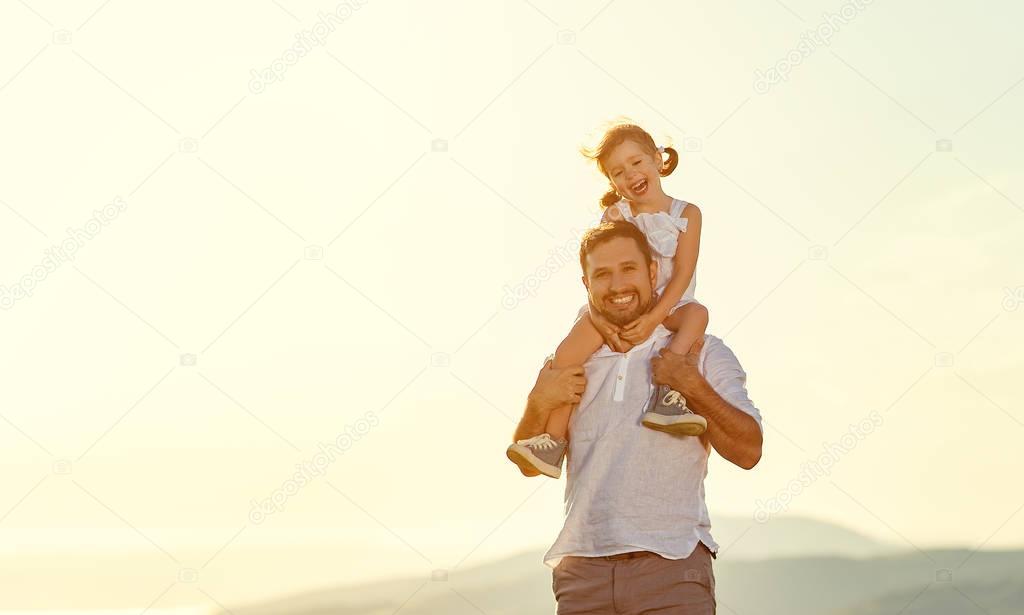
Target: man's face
x,y
619,280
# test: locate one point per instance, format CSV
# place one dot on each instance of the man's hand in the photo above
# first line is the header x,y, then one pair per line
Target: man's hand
x,y
557,387
640,329
679,371
732,432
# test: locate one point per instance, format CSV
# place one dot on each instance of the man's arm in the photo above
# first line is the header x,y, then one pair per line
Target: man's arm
x,y
732,432
554,388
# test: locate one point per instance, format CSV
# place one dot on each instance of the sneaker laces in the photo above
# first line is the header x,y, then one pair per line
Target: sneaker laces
x,y
541,441
675,398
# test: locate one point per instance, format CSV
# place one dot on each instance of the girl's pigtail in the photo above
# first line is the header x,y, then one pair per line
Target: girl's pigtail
x,y
610,198
673,161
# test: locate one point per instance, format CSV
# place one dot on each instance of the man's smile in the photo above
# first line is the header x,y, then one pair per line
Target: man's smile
x,y
620,301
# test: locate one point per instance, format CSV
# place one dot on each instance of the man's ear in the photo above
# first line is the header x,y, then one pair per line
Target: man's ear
x,y
654,274
586,283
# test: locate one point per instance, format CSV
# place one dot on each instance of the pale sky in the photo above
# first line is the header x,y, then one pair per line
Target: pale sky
x,y
851,264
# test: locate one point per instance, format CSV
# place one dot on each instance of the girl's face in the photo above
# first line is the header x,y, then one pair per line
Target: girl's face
x,y
634,173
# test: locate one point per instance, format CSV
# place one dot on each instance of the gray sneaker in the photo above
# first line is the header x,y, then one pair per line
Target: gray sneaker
x,y
538,454
667,412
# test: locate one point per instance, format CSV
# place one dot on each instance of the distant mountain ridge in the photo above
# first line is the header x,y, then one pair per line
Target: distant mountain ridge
x,y
744,538
1004,597
907,583
870,579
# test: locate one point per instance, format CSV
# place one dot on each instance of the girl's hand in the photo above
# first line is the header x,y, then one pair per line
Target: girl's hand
x,y
618,344
608,331
640,329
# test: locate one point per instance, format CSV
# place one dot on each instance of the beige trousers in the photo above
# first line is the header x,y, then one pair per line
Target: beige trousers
x,y
634,584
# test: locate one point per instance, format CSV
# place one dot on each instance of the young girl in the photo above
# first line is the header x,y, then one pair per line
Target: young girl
x,y
634,166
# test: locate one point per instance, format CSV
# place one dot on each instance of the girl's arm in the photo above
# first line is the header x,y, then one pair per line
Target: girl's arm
x,y
684,263
608,330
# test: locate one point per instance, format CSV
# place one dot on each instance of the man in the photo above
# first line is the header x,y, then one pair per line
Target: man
x,y
636,536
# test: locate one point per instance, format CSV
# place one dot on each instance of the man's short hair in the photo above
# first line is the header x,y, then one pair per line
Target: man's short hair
x,y
605,232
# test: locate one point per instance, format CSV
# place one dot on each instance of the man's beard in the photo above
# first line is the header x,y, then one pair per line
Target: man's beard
x,y
623,319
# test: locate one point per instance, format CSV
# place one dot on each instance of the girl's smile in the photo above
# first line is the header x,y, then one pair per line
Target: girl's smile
x,y
639,188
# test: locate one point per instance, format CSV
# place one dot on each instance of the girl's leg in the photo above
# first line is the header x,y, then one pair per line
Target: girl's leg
x,y
667,410
583,340
689,323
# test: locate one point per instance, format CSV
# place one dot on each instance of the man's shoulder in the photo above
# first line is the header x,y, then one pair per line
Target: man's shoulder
x,y
718,355
724,373
713,343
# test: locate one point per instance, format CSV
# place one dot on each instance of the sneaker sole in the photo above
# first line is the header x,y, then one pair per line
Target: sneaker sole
x,y
692,426
522,457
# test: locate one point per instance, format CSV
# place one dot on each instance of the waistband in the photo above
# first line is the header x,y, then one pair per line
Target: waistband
x,y
634,554
629,555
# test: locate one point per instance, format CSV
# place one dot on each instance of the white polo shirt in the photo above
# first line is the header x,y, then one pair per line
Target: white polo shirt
x,y
629,487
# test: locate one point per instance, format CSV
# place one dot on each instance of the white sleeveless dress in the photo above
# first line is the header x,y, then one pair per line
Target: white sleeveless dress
x,y
662,231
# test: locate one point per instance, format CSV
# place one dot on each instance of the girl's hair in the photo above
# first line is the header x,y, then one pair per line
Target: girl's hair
x,y
615,136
